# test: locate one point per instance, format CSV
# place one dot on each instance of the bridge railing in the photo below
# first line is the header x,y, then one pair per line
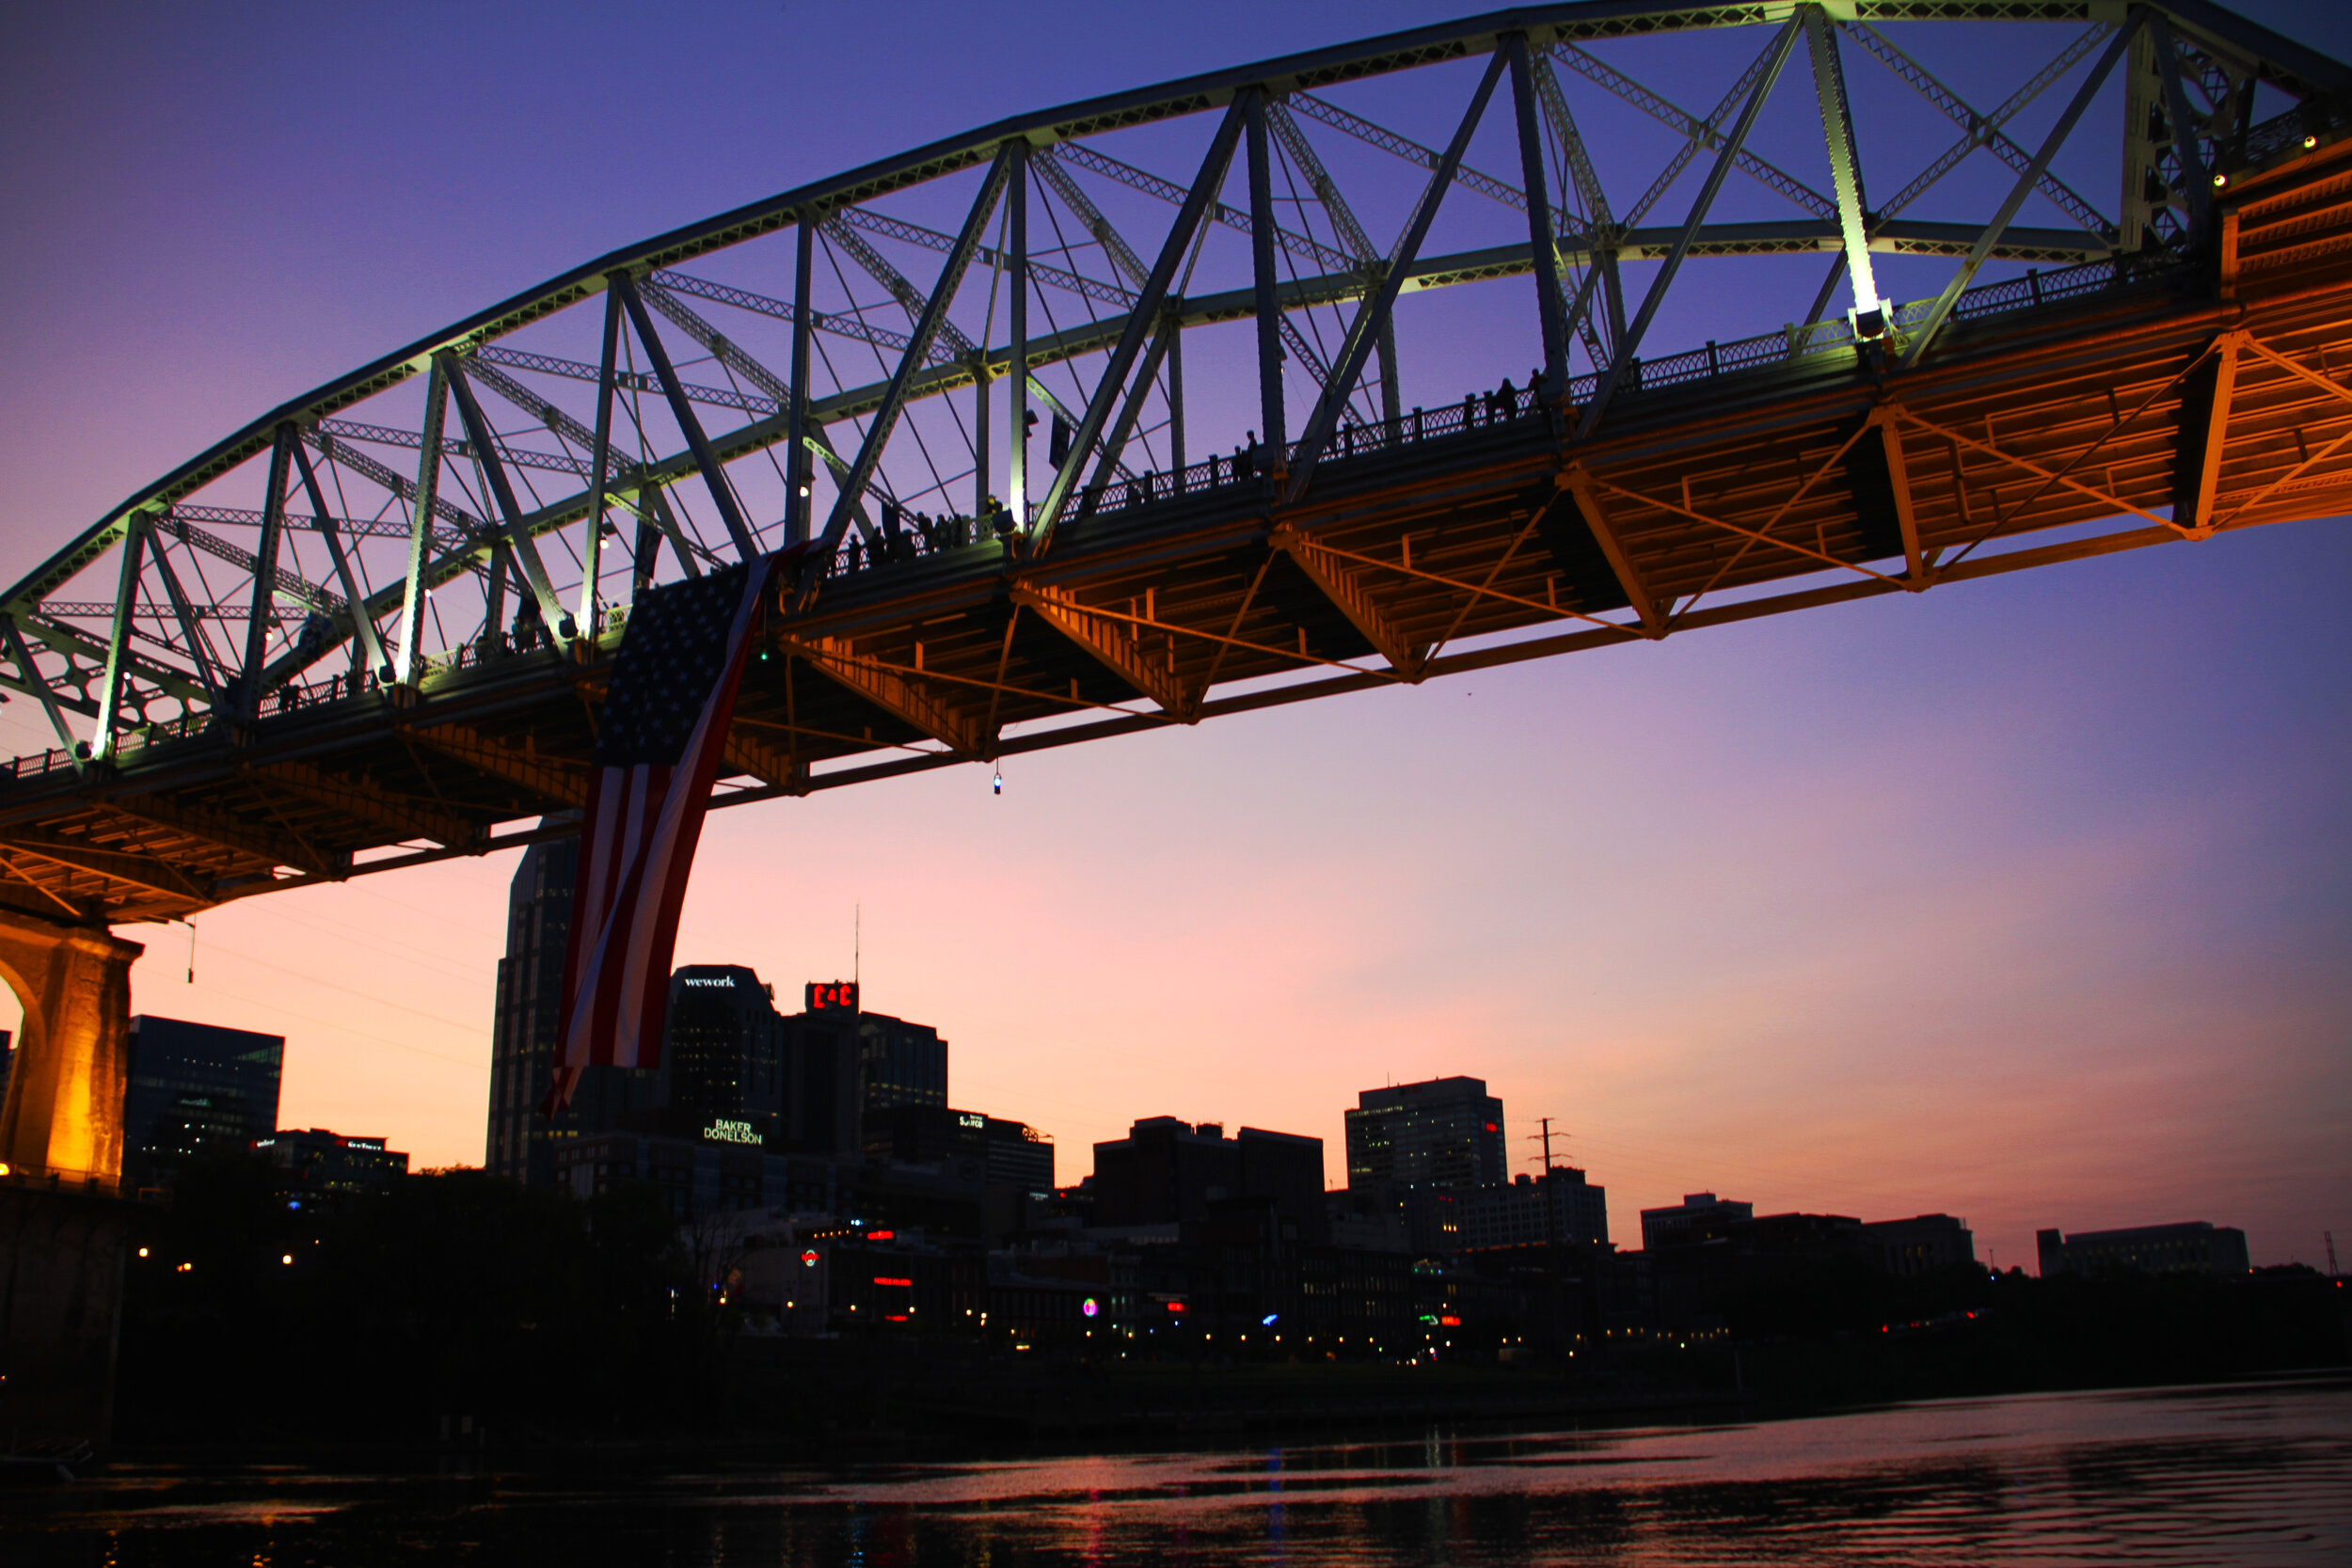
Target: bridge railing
x,y
1767,351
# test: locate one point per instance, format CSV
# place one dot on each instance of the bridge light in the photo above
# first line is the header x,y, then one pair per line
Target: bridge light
x,y
2219,180
996,786
2309,142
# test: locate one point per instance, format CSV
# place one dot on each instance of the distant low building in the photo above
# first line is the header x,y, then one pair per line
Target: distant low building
x,y
1922,1245
1166,1171
725,1170
1558,1207
319,1161
2195,1247
1699,1215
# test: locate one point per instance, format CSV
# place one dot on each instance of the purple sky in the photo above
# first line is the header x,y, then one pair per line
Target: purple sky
x,y
2025,900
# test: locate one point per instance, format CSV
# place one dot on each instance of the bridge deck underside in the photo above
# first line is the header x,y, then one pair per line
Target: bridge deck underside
x,y
1725,498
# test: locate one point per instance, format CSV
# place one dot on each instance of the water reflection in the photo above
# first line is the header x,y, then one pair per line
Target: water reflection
x,y
2251,1475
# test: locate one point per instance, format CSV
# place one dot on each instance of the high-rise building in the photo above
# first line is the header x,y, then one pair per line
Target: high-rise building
x,y
723,1050
823,1086
2198,1245
529,1000
196,1089
900,1063
1698,1216
1441,1132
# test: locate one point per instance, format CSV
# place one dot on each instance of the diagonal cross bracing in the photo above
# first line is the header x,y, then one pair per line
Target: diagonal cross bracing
x,y
1116,642
902,699
1346,585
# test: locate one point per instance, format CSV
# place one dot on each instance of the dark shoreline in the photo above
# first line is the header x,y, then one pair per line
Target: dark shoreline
x,y
1201,1430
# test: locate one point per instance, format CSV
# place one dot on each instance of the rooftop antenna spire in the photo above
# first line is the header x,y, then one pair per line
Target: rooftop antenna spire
x,y
857,942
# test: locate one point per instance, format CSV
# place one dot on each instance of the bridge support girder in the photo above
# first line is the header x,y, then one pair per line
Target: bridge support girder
x,y
274,846
60,1161
405,819
752,756
2204,432
1579,485
63,1115
557,779
1114,643
1344,585
838,659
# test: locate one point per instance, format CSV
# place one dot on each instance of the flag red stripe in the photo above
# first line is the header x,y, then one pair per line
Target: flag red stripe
x,y
637,851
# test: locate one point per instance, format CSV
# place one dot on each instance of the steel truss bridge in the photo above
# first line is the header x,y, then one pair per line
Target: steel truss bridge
x,y
373,626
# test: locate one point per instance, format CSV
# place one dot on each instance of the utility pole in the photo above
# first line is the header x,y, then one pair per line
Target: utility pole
x,y
1551,1198
2330,1237
1544,1137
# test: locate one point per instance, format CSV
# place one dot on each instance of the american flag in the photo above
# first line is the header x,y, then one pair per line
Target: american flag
x,y
665,724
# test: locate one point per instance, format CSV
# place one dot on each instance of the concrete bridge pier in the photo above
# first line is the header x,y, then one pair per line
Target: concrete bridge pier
x,y
64,1223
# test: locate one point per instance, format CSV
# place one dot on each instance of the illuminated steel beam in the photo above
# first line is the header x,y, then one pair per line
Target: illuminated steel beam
x,y
1775,54
1984,130
119,636
682,410
1578,484
1114,642
264,575
368,804
1845,162
560,782
751,757
1266,304
517,534
2204,434
1594,201
268,845
1543,239
911,705
421,514
1364,328
355,602
1345,586
928,325
1925,332
1140,320
600,463
136,870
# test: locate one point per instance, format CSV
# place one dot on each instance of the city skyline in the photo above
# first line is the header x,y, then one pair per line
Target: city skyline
x,y
2021,900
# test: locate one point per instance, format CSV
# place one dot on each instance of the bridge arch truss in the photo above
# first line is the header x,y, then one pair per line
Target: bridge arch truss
x,y
1199,398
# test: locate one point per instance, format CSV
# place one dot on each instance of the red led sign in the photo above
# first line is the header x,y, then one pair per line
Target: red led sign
x,y
1451,1321
880,1235
885,1279
831,996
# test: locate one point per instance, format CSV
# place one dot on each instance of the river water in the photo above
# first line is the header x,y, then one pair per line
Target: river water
x,y
2241,1474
